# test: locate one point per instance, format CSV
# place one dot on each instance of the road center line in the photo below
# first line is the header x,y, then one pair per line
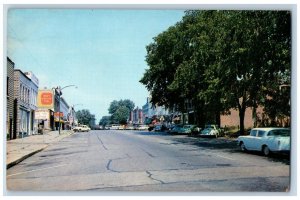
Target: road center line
x,y
35,170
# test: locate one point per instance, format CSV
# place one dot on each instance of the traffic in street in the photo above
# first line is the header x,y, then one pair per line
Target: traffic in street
x,y
127,160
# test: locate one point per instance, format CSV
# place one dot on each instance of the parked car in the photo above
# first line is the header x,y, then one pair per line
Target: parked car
x,y
114,127
176,129
211,130
81,128
158,127
188,129
129,127
142,127
121,127
266,140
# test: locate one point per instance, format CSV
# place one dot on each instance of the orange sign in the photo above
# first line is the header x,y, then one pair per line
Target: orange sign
x,y
57,115
45,99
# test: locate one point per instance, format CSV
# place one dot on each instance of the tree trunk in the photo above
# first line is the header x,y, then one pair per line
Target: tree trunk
x,y
242,111
218,118
242,116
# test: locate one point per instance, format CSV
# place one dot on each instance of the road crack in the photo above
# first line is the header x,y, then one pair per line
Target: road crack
x,y
102,143
150,176
149,154
108,167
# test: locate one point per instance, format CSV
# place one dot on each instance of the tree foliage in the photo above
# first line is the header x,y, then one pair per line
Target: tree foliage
x,y
105,120
220,60
120,110
85,117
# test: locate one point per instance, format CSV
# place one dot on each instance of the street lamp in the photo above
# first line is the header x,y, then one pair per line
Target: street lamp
x,y
59,89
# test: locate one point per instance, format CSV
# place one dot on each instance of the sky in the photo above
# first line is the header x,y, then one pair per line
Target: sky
x,y
101,51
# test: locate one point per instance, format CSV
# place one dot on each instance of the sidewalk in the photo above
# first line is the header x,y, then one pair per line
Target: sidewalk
x,y
19,149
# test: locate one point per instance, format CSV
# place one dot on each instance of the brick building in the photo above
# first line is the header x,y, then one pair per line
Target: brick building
x,y
136,116
9,98
260,118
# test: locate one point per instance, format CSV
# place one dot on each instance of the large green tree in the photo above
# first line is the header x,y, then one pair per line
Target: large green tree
x,y
120,110
121,115
85,117
105,120
220,60
256,48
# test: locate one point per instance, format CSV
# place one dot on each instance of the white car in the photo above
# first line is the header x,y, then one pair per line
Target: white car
x,y
142,127
81,128
266,140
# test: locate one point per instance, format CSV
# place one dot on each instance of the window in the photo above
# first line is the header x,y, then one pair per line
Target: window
x,y
279,133
260,133
28,95
21,92
7,86
253,133
24,94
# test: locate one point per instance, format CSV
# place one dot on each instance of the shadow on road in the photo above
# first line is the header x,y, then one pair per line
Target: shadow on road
x,y
224,144
151,133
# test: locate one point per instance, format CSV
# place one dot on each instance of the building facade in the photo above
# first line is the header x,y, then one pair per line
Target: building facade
x,y
25,103
9,98
72,117
148,111
64,110
53,110
136,116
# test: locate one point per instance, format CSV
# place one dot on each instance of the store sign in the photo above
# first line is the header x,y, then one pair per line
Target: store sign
x,y
42,114
45,99
56,116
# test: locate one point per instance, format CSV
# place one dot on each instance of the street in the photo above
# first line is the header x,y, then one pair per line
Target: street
x,y
124,160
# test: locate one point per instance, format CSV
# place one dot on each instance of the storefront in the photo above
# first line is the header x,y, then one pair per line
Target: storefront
x,y
24,123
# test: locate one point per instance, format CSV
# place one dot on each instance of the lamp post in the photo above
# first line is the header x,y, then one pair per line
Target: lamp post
x,y
59,89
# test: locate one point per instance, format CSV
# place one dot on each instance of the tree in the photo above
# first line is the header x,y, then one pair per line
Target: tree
x,y
120,110
256,48
85,117
163,57
220,60
114,105
121,115
105,120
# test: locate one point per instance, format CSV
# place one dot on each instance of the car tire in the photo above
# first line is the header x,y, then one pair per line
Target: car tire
x,y
243,147
266,151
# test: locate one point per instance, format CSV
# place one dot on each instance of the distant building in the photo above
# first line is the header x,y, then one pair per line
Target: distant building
x,y
25,103
149,110
136,116
72,117
10,98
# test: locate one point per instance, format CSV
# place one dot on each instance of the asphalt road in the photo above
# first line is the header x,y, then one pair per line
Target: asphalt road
x,y
116,161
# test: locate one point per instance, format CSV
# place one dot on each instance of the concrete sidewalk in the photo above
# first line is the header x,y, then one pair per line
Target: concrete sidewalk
x,y
19,149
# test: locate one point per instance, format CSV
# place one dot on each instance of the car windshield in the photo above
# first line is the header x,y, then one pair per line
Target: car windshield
x,y
280,132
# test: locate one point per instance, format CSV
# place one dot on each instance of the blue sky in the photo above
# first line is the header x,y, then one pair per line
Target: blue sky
x,y
101,51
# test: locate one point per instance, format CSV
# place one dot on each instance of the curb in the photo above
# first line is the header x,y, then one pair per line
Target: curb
x,y
9,165
13,163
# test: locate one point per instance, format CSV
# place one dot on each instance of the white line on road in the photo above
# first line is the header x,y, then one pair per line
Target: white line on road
x,y
35,170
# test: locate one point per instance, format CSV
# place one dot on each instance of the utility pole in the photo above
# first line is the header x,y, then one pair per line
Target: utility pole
x,y
59,89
